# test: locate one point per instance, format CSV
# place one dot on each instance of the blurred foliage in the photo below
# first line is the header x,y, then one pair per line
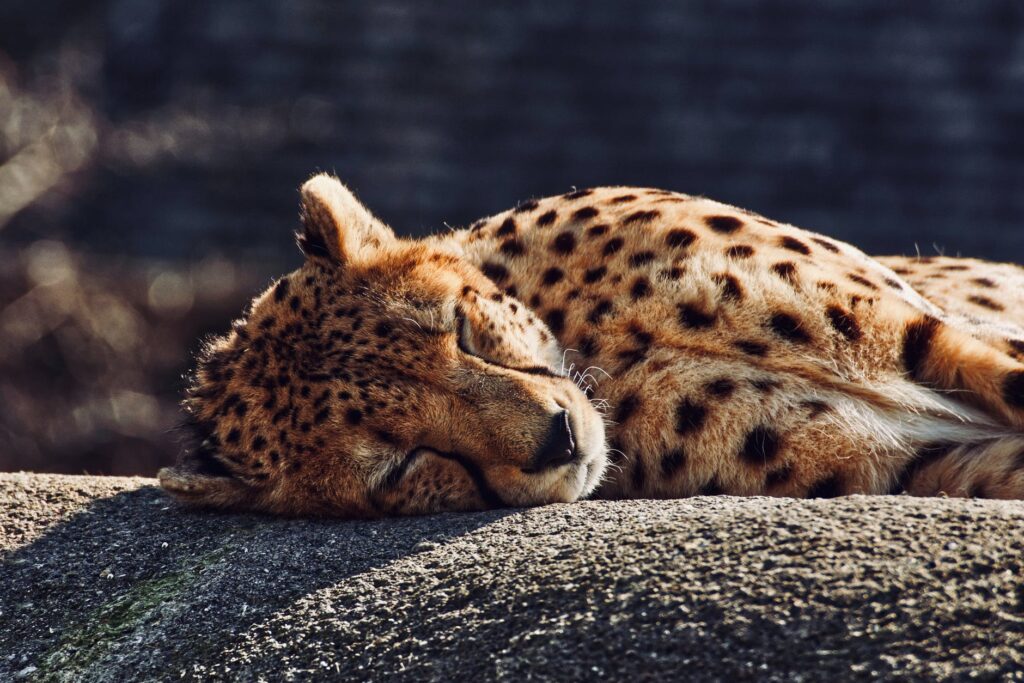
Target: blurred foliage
x,y
92,355
94,348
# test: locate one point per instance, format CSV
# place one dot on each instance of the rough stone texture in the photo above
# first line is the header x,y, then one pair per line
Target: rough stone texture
x,y
105,579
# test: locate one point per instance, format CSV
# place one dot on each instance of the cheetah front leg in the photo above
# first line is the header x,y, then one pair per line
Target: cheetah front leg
x,y
992,468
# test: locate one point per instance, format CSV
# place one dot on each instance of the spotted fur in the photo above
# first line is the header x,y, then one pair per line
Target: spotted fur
x,y
617,342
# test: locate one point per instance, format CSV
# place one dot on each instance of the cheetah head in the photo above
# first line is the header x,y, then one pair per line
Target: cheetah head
x,y
383,377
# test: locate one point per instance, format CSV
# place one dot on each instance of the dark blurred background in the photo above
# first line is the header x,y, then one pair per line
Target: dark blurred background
x,y
150,153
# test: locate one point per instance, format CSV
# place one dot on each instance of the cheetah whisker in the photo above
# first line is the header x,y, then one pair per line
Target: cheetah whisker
x,y
414,322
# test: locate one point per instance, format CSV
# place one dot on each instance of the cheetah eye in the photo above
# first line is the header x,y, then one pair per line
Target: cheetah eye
x,y
465,337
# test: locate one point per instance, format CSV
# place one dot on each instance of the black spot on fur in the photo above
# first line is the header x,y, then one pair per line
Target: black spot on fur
x,y
895,284
815,408
723,224
640,216
692,317
508,227
641,335
600,310
917,344
778,476
528,205
353,416
623,198
585,213
640,289
555,320
786,270
829,487
829,246
564,243
751,348
233,436
788,327
293,303
721,388
259,443
765,385
512,247
594,274
690,416
597,230
793,244
630,357
612,246
552,275
546,218
588,347
576,194
496,272
740,251
626,408
761,446
281,289
844,323
853,277
986,302
984,282
641,258
679,237
1013,389
672,462
731,288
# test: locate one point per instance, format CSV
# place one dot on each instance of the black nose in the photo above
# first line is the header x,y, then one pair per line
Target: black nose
x,y
558,448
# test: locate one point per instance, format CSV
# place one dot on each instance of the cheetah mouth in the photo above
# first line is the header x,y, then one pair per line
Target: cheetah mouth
x,y
474,472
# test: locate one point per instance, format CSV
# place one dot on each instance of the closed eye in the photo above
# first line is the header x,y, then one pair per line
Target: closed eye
x,y
463,338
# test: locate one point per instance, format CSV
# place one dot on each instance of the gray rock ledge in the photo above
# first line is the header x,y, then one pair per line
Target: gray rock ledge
x,y
105,579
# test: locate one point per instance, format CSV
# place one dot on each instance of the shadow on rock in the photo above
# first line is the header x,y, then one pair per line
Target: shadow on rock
x,y
134,578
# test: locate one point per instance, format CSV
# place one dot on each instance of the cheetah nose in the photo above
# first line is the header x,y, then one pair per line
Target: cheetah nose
x,y
558,448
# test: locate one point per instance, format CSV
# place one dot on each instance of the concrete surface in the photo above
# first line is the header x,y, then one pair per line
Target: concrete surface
x,y
105,579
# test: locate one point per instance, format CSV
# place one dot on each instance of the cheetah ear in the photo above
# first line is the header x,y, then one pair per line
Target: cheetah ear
x,y
335,226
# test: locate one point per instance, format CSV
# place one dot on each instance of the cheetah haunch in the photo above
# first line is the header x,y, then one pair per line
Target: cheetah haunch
x,y
617,342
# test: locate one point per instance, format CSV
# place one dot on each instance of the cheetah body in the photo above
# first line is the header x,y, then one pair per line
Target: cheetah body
x,y
710,350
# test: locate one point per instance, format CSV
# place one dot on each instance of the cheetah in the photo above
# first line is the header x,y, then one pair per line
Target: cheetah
x,y
614,342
